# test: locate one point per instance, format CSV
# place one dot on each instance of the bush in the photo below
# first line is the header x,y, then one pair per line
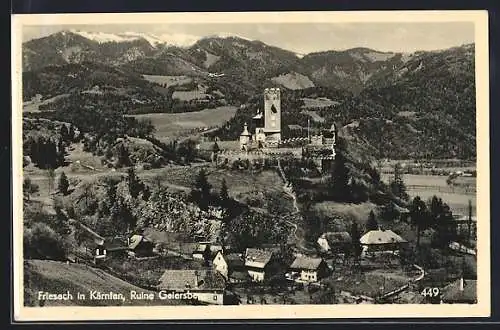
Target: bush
x,y
41,242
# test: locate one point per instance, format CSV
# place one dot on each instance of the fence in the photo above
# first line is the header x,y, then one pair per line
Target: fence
x,y
444,189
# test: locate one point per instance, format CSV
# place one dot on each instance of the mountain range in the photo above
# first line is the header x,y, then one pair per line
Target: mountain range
x,y
251,61
403,90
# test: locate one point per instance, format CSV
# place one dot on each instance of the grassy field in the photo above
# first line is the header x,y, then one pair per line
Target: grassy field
x,y
238,182
58,277
168,80
169,125
426,186
34,105
189,95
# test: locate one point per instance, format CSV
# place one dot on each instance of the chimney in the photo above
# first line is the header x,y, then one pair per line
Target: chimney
x,y
461,284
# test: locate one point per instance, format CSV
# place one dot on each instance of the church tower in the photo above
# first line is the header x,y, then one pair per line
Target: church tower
x,y
272,114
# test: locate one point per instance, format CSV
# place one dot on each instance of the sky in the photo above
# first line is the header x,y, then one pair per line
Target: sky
x,y
302,38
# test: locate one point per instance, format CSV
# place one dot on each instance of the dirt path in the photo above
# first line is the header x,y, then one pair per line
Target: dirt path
x,y
297,233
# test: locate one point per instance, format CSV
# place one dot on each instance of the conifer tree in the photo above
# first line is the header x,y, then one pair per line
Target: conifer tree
x,y
135,185
372,223
224,194
63,184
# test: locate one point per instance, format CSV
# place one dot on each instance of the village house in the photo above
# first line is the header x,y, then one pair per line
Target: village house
x,y
139,246
462,291
231,266
91,243
221,265
381,240
334,242
307,269
206,251
257,262
206,286
115,245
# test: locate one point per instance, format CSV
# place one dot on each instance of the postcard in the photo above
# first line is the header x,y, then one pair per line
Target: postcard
x,y
251,165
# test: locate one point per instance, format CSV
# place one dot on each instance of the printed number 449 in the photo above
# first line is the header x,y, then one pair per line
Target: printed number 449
x,y
430,292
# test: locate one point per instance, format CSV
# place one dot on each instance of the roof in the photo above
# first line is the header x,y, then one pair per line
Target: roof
x,y
245,131
234,260
304,262
258,258
239,275
201,248
135,240
453,293
115,243
212,248
293,126
381,237
91,232
175,279
340,237
400,209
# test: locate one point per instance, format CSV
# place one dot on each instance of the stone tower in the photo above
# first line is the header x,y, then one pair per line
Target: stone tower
x,y
245,138
272,114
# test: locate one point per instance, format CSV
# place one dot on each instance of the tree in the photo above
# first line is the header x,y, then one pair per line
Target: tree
x,y
123,156
29,188
372,223
419,216
72,133
397,186
61,152
51,175
201,192
135,185
64,133
224,195
357,249
63,184
469,223
339,185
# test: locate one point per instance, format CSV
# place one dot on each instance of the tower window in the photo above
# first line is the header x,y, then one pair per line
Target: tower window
x,y
273,109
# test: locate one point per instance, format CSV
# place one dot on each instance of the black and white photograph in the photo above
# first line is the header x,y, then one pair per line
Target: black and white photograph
x,y
240,161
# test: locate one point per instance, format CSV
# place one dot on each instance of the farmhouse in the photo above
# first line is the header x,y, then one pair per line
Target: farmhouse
x,y
309,269
461,291
220,264
139,246
334,242
116,245
206,251
256,263
381,240
91,242
206,286
231,266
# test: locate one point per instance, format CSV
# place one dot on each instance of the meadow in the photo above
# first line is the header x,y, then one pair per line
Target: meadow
x,y
170,125
168,80
426,186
